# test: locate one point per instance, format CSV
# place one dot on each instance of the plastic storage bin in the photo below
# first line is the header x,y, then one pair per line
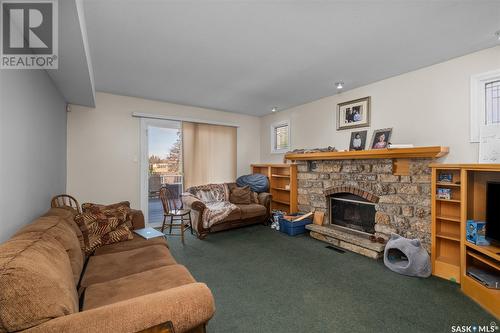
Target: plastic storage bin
x,y
294,228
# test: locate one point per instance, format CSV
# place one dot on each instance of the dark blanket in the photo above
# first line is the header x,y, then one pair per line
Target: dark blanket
x,y
257,182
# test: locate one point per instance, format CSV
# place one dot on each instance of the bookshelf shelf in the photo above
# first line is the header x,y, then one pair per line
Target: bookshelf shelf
x,y
281,202
449,235
443,184
449,218
448,200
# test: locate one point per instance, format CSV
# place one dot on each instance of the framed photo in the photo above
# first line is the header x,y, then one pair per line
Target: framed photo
x,y
358,140
381,138
353,114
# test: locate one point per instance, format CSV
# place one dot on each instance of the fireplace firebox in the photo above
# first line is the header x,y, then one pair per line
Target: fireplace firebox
x,y
353,212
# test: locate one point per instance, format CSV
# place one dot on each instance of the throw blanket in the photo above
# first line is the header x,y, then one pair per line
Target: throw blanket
x,y
210,192
216,199
216,212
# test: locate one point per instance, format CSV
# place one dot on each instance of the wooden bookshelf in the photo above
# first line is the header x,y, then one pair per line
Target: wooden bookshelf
x,y
451,253
282,185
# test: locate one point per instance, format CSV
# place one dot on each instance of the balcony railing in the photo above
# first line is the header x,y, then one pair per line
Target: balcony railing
x,y
172,181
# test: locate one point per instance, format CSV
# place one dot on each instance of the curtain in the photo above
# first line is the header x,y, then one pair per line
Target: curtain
x,y
209,153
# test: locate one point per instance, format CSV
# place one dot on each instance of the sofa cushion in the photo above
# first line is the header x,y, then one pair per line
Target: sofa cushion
x,y
255,197
112,266
68,214
135,285
241,195
59,229
36,282
252,210
134,243
234,215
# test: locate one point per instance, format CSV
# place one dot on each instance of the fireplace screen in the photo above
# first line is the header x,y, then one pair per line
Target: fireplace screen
x,y
352,211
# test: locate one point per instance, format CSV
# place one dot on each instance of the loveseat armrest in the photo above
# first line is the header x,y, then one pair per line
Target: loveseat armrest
x,y
137,219
187,307
197,207
265,200
192,202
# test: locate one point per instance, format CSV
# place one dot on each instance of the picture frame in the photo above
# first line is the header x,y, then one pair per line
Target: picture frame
x,y
358,140
354,114
381,138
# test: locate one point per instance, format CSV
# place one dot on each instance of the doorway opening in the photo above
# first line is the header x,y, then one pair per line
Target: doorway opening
x,y
161,165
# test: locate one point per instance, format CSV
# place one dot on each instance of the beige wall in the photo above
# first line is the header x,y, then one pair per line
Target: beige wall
x,y
429,106
103,145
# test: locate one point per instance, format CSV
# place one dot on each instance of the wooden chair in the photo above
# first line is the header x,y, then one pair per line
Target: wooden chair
x,y
172,210
65,200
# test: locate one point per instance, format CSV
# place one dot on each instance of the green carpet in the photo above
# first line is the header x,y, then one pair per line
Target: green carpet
x,y
266,281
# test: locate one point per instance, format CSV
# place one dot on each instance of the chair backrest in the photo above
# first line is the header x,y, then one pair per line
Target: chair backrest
x,y
168,200
65,200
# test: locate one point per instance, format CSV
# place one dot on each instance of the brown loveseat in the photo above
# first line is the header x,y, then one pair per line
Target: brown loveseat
x,y
131,286
257,211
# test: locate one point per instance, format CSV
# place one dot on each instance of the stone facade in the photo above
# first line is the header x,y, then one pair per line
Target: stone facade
x,y
404,205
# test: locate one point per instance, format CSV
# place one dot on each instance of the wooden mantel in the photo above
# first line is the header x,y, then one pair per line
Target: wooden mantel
x,y
400,156
394,153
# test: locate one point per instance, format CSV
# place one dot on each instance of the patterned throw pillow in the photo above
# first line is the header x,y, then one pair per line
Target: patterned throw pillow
x,y
120,209
120,234
102,225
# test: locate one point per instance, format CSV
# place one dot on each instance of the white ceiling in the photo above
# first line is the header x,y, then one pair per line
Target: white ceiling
x,y
247,56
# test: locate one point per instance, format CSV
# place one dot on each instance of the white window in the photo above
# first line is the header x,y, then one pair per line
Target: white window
x,y
485,102
280,137
492,101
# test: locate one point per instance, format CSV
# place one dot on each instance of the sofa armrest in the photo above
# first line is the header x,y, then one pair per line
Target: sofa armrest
x,y
265,200
197,208
187,307
192,202
137,218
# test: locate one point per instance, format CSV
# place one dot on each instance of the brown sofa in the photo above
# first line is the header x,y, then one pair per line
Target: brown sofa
x,y
257,212
47,285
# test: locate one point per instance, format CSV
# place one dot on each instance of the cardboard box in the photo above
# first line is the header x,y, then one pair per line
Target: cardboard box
x,y
476,232
444,193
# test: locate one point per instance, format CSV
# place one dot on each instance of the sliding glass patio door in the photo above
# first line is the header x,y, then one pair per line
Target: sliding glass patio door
x,y
161,165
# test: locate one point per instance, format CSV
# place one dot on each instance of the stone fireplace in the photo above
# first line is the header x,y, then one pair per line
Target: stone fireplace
x,y
368,197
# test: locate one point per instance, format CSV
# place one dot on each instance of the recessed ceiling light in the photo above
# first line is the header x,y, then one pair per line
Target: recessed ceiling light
x,y
339,85
274,109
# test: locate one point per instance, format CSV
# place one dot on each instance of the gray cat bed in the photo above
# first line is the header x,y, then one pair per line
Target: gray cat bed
x,y
407,256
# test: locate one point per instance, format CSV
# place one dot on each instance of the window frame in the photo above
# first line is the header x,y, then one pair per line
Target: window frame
x,y
273,137
478,101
